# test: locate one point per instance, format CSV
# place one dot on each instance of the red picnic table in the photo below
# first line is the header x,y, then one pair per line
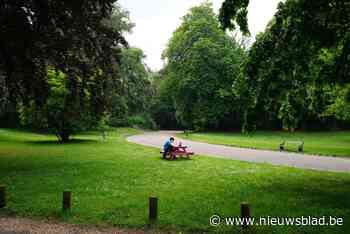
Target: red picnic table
x,y
180,151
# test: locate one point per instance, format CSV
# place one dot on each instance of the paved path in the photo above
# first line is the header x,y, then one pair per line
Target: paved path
x,y
156,139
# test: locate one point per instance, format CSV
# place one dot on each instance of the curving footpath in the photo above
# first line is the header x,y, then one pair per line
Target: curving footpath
x,y
322,163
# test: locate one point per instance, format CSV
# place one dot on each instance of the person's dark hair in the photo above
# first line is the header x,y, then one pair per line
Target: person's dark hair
x,y
172,138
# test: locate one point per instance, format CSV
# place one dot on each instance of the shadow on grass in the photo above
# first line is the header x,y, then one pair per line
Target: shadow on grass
x,y
7,212
179,159
56,142
327,194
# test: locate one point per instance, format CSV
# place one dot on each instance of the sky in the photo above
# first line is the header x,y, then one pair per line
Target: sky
x,y
156,20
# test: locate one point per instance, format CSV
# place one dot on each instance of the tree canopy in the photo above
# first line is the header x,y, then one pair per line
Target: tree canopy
x,y
66,34
131,102
79,39
295,66
66,67
323,23
295,75
202,63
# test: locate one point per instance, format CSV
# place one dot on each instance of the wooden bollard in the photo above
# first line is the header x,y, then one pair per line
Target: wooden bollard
x,y
245,213
2,196
153,210
67,199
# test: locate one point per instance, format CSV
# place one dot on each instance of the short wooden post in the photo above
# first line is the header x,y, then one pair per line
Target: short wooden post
x,y
301,147
282,146
153,210
245,214
67,198
2,196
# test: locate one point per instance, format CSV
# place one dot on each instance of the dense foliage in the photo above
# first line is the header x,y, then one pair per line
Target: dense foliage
x,y
131,102
64,67
61,114
297,69
202,64
70,36
163,110
295,75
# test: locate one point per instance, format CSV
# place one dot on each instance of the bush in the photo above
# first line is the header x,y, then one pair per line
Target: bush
x,y
142,121
118,122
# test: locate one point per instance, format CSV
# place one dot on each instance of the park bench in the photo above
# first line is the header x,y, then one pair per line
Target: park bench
x,y
299,144
179,151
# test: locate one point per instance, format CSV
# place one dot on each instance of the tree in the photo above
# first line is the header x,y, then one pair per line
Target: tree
x,y
135,92
136,80
62,114
324,23
232,12
288,72
63,34
163,109
71,37
340,107
202,63
119,20
80,41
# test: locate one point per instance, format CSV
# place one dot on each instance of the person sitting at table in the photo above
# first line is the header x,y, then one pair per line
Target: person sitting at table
x,y
168,147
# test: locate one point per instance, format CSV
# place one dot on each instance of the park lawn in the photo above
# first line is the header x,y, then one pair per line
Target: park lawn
x,y
111,182
333,143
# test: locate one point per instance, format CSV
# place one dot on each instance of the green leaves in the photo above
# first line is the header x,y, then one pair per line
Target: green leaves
x,y
294,62
340,108
63,34
67,108
65,59
235,12
202,63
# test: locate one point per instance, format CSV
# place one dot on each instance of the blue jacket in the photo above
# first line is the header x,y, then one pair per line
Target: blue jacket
x,y
166,146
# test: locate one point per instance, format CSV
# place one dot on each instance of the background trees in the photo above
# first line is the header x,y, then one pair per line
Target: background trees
x,y
72,38
297,69
65,66
162,109
62,114
132,100
295,75
63,34
202,64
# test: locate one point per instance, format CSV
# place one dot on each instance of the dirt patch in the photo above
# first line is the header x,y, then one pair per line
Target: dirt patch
x,y
14,225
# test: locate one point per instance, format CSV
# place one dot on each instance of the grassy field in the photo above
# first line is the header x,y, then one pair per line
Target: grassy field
x,y
335,143
111,182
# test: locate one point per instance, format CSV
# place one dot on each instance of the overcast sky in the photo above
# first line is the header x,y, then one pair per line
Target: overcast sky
x,y
157,19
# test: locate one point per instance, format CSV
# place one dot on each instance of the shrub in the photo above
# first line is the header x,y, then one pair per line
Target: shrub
x,y
142,121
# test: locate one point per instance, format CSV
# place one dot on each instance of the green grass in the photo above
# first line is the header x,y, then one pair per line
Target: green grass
x,y
336,143
111,182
